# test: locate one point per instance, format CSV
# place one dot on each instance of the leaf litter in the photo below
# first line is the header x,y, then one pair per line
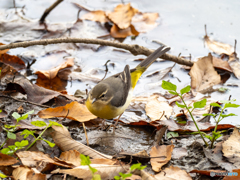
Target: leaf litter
x,y
133,23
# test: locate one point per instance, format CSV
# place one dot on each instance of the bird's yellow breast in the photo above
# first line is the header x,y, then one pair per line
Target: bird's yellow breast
x,y
107,111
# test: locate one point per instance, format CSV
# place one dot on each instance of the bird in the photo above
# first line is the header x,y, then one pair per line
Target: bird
x,y
111,96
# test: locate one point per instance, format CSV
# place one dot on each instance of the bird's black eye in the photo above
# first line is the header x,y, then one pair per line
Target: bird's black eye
x,y
102,96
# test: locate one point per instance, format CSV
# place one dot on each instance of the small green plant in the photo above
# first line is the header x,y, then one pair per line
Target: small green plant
x,y
26,132
10,150
172,88
10,129
220,117
85,161
132,168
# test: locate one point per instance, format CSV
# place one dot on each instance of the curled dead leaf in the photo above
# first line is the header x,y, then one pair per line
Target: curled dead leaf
x,y
218,47
203,74
231,148
74,111
25,173
122,15
6,160
63,140
98,16
116,32
164,150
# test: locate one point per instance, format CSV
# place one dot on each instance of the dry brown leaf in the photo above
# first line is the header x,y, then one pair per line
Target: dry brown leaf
x,y
6,160
144,22
234,64
122,15
74,111
13,61
104,161
25,173
203,74
218,47
164,150
231,148
105,171
155,109
98,16
220,64
116,32
3,51
174,173
52,73
38,159
72,156
63,140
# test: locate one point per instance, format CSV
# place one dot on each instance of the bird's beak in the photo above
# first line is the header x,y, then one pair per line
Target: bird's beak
x,y
94,99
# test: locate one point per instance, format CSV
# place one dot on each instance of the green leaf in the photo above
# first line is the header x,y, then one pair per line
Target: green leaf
x,y
217,135
185,90
180,105
92,169
200,104
209,137
5,150
85,160
117,177
29,112
16,115
49,143
9,126
124,176
174,93
135,166
24,143
227,115
26,133
96,177
11,135
189,107
216,105
168,86
222,89
229,105
3,175
213,115
23,117
12,147
172,134
53,123
0,110
38,123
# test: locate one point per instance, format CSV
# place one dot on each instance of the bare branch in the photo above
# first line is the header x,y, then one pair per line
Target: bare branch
x,y
133,48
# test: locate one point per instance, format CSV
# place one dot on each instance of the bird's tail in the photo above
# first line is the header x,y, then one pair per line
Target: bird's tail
x,y
137,72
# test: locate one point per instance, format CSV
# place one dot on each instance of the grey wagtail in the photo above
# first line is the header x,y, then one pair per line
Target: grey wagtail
x,y
110,97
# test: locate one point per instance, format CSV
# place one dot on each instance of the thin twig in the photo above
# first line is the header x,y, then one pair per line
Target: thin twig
x,y
48,10
133,48
85,133
24,101
106,70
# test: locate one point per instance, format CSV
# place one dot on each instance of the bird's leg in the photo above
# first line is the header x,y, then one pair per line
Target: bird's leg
x,y
114,126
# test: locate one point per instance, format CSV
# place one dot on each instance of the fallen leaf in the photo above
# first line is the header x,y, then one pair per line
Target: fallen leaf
x,y
158,109
3,51
116,32
144,22
72,156
164,150
39,160
56,84
25,173
203,74
231,148
122,15
98,16
220,64
6,160
63,140
173,173
218,47
105,171
13,61
234,64
74,111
